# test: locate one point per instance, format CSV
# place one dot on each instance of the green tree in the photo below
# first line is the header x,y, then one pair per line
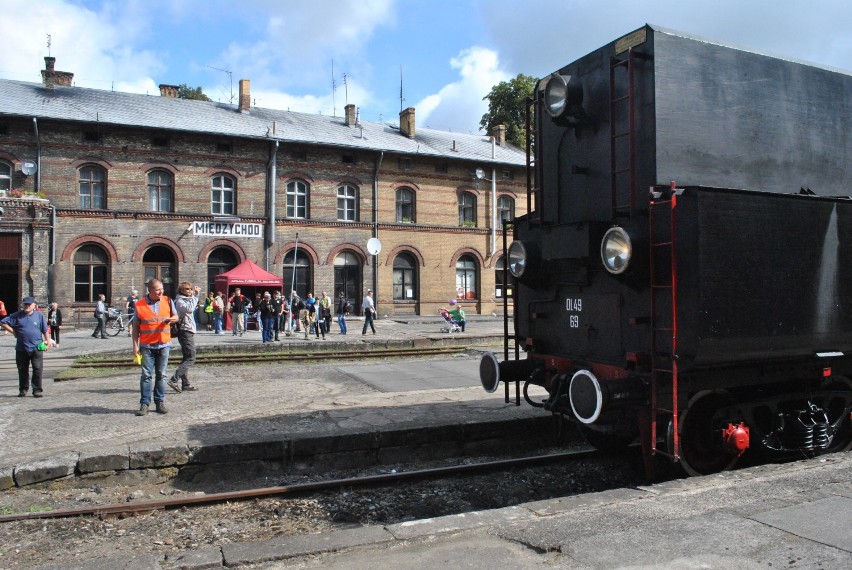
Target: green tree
x,y
507,106
186,92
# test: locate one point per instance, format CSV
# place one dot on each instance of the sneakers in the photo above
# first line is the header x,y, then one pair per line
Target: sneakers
x,y
143,410
22,394
173,384
37,394
161,407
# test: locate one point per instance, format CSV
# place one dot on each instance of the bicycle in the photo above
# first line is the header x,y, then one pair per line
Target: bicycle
x,y
116,321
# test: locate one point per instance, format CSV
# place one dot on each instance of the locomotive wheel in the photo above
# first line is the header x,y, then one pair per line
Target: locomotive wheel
x,y
842,440
701,451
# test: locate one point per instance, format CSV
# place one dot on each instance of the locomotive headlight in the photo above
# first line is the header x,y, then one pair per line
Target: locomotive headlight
x,y
616,250
563,97
518,259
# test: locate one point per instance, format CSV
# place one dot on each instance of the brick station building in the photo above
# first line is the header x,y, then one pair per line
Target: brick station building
x,y
102,190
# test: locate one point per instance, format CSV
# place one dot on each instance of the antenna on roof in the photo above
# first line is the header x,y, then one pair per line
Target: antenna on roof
x,y
346,88
48,45
230,77
401,98
333,91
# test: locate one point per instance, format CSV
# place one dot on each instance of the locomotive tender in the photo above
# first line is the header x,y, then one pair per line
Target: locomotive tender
x,y
683,275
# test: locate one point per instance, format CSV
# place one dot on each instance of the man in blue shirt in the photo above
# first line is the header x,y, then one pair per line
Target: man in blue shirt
x,y
30,329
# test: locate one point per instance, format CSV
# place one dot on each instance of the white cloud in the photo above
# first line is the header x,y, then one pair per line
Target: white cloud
x,y
94,46
297,46
459,105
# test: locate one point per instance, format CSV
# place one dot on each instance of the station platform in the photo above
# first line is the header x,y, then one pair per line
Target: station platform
x,y
305,415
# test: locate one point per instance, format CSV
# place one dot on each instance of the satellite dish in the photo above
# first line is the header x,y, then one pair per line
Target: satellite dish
x,y
374,246
28,167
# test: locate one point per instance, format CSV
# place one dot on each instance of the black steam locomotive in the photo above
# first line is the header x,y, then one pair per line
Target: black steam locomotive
x,y
684,273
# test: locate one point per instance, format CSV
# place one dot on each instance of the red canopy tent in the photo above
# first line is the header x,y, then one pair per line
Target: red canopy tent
x,y
247,274
250,278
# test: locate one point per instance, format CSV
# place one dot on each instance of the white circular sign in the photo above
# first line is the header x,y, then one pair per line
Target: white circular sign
x,y
374,246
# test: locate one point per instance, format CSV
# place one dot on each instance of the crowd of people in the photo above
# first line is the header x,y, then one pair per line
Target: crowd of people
x,y
155,319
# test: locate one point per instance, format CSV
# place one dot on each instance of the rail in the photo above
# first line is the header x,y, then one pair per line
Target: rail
x,y
251,494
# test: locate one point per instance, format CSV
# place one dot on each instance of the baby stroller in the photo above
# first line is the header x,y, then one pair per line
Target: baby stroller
x,y
450,326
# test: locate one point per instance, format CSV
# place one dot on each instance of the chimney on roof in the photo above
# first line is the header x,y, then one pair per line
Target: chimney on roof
x,y
349,113
52,78
499,134
406,122
245,96
169,90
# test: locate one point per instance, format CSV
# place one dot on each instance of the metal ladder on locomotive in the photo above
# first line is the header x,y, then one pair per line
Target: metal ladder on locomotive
x,y
662,224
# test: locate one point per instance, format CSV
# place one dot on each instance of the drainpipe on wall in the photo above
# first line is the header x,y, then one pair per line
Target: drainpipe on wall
x,y
493,199
270,224
376,226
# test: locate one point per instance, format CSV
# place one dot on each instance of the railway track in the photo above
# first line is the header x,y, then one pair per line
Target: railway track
x,y
128,509
261,357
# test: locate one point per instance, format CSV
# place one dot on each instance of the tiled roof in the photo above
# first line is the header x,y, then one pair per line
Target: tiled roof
x,y
18,98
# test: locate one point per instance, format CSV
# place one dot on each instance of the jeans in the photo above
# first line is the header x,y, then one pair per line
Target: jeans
x,y
154,363
268,328
187,350
217,323
341,322
23,359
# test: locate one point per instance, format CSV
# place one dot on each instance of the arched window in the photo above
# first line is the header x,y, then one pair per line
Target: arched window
x,y
404,277
297,199
405,205
347,203
347,278
498,279
5,176
160,263
92,188
220,260
160,189
91,274
466,277
223,195
302,283
467,209
505,210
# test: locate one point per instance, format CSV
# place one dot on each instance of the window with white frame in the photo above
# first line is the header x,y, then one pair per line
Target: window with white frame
x,y
405,205
466,277
297,199
160,190
92,188
404,277
347,203
467,209
505,210
223,195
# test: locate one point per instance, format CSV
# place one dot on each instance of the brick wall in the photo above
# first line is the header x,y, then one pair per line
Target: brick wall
x,y
126,229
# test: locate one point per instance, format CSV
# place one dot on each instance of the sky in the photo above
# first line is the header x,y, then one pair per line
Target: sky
x,y
316,56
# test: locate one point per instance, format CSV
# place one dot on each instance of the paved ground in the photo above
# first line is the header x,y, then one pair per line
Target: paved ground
x,y
793,516
245,403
